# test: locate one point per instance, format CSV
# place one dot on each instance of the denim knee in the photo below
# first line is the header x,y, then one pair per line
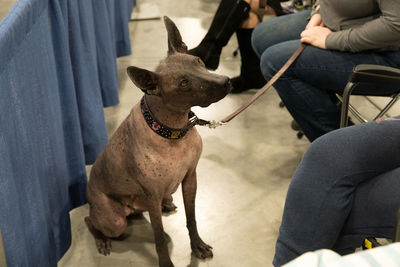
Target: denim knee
x,y
277,30
325,150
256,40
332,153
270,62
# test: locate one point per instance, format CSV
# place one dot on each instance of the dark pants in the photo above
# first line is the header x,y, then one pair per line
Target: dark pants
x,y
307,86
348,183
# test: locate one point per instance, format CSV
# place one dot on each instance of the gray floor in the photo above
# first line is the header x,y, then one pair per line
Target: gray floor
x,y
243,173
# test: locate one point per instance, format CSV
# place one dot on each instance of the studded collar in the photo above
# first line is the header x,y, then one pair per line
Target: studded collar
x,y
165,131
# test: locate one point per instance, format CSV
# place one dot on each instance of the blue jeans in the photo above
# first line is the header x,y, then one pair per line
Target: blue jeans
x,y
347,184
307,88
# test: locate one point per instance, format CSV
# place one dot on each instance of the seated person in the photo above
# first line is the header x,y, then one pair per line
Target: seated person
x,y
322,192
341,34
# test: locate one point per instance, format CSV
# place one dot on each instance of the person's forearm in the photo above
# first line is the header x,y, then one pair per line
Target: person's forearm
x,y
315,8
376,34
379,33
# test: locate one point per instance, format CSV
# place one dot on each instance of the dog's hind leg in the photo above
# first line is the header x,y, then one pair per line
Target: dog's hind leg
x,y
103,243
107,220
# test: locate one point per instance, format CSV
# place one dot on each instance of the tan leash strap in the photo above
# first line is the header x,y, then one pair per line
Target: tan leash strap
x,y
267,85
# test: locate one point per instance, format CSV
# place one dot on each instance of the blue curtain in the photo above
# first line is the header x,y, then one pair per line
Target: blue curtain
x,y
123,10
57,72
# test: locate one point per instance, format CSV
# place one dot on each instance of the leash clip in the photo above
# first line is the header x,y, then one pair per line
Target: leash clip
x,y
214,124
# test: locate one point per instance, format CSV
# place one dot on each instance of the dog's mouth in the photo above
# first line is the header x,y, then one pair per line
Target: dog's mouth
x,y
217,95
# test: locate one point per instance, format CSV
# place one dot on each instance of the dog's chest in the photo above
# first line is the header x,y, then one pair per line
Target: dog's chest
x,y
164,162
160,174
166,165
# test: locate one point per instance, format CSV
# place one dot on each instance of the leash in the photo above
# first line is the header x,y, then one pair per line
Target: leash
x,y
214,124
171,133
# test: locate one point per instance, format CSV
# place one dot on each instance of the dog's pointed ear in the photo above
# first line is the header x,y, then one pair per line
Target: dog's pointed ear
x,y
175,43
146,80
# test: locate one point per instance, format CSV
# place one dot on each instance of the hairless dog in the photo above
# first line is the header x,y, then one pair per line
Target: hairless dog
x,y
154,150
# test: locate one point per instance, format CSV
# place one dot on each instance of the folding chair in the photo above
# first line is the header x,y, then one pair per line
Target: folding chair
x,y
365,75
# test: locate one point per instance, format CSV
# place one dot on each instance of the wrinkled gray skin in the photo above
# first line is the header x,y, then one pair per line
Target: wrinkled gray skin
x,y
139,170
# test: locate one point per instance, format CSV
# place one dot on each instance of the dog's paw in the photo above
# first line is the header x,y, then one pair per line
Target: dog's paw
x,y
103,246
166,263
201,250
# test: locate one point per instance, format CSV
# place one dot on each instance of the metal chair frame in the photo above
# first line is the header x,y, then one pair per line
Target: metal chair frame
x,y
366,73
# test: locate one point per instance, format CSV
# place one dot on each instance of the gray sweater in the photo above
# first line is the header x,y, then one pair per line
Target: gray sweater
x,y
359,25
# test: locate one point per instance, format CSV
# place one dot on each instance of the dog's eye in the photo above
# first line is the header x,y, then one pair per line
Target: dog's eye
x,y
184,83
199,61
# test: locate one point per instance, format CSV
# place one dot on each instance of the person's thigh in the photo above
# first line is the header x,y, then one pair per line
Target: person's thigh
x,y
368,147
279,29
320,195
321,68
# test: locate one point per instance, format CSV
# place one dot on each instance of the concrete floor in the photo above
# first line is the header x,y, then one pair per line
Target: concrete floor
x,y
5,6
243,173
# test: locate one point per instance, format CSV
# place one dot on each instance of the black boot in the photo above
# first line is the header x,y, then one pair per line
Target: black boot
x,y
250,72
276,6
227,19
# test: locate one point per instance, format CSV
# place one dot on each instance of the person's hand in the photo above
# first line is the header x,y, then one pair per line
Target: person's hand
x,y
315,36
315,20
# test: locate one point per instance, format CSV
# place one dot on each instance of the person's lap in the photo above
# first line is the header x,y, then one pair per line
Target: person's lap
x,y
306,88
327,69
275,40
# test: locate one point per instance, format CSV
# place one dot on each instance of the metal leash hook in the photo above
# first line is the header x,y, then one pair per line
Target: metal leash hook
x,y
214,124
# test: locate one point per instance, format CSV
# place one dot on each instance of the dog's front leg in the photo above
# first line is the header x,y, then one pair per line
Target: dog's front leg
x,y
189,186
154,207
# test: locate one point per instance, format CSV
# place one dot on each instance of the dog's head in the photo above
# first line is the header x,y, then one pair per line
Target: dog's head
x,y
181,80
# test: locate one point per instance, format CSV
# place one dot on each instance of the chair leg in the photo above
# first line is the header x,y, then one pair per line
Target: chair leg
x,y
353,111
387,107
345,103
396,237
